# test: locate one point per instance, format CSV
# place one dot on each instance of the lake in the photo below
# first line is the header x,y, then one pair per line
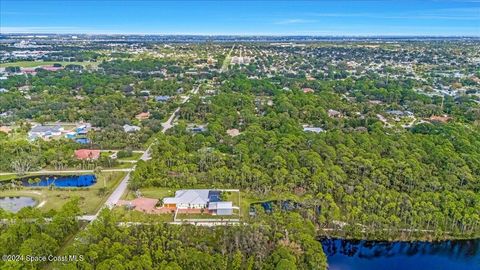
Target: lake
x,y
62,180
14,204
377,255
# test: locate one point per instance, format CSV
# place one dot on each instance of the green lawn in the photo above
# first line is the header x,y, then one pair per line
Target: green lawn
x,y
135,156
150,192
7,177
205,216
137,216
90,198
31,64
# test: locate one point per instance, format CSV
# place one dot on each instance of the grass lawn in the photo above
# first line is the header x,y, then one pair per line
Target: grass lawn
x,y
7,177
206,216
150,192
137,216
31,64
135,156
90,198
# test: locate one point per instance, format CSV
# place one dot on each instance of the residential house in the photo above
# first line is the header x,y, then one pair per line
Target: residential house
x,y
87,154
5,129
334,114
162,98
196,128
143,116
199,199
307,90
44,132
439,118
313,129
233,132
130,128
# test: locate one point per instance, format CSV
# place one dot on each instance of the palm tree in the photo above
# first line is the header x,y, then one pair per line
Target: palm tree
x,y
97,171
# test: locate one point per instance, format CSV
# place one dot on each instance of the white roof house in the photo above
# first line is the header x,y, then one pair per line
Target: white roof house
x,y
313,129
130,128
44,131
189,198
220,205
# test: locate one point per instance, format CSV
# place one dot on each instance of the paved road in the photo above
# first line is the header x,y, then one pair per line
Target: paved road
x,y
120,189
227,60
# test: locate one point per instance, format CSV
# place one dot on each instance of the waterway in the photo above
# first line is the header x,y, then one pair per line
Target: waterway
x,y
418,255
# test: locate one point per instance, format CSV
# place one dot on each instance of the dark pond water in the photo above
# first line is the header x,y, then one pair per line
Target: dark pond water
x,y
278,205
62,180
14,204
374,255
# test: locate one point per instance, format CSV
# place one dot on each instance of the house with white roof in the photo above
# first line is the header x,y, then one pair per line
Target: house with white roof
x,y
44,132
199,199
130,128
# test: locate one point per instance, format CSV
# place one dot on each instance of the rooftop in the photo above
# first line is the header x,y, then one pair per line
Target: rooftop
x,y
87,154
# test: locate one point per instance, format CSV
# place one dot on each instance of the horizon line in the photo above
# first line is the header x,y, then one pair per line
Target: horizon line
x,y
240,35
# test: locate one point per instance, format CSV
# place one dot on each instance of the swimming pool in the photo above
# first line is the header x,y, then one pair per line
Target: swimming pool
x,y
61,180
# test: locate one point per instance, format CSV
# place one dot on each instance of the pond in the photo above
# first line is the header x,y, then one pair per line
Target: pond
x,y
377,255
14,204
61,180
282,205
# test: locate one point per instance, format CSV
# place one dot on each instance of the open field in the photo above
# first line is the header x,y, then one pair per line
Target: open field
x,y
137,216
206,215
151,192
135,156
31,64
91,198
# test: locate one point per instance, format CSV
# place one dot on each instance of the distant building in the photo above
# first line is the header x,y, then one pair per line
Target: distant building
x,y
440,119
196,128
400,113
313,129
233,132
44,132
5,129
307,90
145,92
130,128
87,154
334,114
162,98
143,116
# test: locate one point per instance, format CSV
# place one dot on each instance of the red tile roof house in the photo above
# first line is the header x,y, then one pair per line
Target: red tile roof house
x,y
87,154
308,90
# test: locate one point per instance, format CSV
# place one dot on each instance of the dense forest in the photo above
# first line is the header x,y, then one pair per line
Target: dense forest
x,y
278,242
32,233
359,172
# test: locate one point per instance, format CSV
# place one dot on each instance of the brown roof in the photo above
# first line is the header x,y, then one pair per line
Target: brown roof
x,y
5,129
143,115
308,90
87,154
438,118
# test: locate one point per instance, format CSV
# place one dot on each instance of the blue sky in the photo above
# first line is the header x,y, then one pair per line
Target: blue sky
x,y
341,17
